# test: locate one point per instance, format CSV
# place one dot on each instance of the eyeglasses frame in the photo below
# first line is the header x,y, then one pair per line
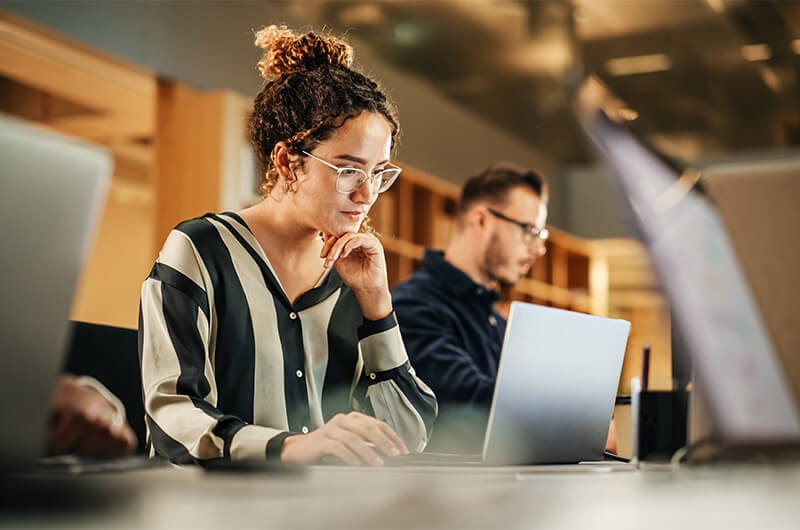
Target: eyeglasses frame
x,y
340,169
530,232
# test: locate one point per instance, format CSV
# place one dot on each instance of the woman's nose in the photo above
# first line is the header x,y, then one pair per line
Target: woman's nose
x,y
365,193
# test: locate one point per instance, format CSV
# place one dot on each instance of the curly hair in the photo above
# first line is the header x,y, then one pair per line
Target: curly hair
x,y
311,90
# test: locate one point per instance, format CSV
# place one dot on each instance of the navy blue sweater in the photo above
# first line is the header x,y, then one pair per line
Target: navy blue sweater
x,y
453,336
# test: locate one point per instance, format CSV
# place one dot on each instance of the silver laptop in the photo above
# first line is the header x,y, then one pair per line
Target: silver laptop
x,y
52,191
556,387
555,390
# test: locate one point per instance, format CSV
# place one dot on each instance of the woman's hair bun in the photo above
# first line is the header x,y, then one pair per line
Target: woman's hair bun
x,y
286,51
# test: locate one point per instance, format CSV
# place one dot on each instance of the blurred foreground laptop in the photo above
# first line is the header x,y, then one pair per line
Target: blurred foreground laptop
x,y
555,392
745,390
52,191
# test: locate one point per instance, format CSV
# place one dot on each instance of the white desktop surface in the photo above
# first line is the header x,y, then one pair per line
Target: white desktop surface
x,y
724,497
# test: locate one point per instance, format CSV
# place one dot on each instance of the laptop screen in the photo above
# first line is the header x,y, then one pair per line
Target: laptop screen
x,y
747,395
52,191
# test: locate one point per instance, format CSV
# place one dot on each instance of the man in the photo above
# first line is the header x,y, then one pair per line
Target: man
x,y
451,329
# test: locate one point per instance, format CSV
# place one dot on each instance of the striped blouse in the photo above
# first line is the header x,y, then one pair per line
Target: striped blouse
x,y
230,367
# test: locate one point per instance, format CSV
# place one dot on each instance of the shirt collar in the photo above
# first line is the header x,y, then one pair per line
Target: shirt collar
x,y
453,278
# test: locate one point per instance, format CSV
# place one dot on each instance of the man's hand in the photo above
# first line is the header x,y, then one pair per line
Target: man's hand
x,y
353,438
84,422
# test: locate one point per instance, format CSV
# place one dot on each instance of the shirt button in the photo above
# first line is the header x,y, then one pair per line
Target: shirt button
x,y
293,315
304,429
372,376
492,320
299,373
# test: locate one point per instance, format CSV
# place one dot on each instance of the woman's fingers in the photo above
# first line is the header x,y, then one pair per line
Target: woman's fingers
x,y
366,243
389,433
355,445
347,243
326,247
375,432
340,451
336,249
354,438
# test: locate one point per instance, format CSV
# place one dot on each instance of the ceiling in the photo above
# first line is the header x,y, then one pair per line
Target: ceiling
x,y
706,77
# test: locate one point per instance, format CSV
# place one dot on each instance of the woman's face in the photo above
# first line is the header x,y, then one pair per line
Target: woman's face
x,y
363,142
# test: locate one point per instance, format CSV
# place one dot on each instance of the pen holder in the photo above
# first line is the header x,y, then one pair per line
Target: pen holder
x,y
659,422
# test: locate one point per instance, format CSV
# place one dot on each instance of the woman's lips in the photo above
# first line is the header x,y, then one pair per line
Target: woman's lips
x,y
354,216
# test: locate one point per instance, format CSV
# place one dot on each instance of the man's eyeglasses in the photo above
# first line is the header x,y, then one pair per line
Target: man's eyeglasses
x,y
529,231
349,179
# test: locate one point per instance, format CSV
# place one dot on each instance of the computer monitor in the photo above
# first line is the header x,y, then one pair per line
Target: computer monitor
x,y
747,395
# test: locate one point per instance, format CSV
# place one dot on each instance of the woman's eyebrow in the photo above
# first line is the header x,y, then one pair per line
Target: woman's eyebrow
x,y
359,160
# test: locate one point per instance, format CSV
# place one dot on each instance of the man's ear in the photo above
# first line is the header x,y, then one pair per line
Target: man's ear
x,y
477,218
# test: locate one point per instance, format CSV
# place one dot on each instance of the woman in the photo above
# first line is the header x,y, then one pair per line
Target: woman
x,y
270,333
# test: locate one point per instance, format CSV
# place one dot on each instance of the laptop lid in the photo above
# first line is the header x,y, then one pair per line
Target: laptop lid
x,y
747,396
757,200
51,194
556,386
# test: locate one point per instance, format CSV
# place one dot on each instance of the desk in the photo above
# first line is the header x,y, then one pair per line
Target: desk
x,y
404,498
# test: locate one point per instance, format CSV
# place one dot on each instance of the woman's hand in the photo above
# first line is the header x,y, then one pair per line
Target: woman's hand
x,y
353,438
361,264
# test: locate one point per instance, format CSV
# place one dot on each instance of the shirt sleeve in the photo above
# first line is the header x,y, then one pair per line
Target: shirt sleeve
x,y
180,392
436,352
395,393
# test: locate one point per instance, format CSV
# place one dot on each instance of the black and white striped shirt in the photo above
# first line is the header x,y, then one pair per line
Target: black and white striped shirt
x,y
230,367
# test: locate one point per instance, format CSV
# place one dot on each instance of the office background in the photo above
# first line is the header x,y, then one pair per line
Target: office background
x,y
164,85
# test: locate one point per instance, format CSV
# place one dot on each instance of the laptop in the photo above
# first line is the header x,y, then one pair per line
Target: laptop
x,y
52,191
555,391
716,315
556,387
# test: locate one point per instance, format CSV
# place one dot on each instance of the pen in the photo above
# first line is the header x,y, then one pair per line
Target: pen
x,y
645,366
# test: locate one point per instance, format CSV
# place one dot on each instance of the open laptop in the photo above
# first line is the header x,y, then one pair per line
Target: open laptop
x,y
555,390
747,396
556,387
52,191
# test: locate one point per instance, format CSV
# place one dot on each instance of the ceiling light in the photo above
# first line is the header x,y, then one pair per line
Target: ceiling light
x,y
362,14
409,33
639,64
717,5
756,52
551,55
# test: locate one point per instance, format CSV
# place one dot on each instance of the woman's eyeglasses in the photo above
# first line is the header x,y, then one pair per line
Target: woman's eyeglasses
x,y
349,179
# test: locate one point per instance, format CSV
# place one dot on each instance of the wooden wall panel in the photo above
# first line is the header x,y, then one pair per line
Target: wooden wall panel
x,y
188,149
